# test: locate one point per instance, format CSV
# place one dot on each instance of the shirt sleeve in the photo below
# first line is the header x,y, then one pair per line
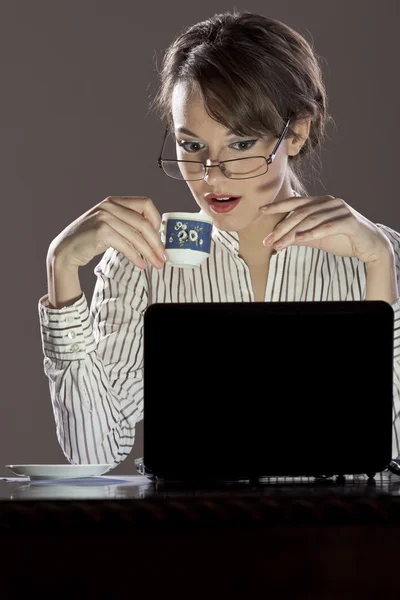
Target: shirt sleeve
x,y
93,360
394,238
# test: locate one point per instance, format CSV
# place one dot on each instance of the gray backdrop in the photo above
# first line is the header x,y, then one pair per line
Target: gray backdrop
x,y
77,77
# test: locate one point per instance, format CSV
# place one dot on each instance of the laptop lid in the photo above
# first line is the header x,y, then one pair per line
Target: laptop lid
x,y
247,390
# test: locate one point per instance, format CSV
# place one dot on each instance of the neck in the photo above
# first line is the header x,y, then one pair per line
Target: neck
x,y
251,247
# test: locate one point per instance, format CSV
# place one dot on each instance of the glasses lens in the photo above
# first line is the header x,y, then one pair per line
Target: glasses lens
x,y
244,168
188,171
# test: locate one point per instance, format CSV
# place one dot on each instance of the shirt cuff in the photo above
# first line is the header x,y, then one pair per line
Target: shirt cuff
x,y
66,332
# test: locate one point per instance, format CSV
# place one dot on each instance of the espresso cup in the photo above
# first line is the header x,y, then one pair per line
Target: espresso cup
x,y
187,238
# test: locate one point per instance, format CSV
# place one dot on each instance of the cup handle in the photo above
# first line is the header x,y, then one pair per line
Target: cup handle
x,y
162,230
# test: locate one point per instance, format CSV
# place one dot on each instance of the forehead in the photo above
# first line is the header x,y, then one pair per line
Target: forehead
x,y
188,110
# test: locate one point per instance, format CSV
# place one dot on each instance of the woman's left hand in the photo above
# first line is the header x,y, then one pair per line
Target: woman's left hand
x,y
327,223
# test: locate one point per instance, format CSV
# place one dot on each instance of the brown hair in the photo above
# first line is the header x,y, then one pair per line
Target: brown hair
x,y
253,73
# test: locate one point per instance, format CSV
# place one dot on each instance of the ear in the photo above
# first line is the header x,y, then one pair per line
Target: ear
x,y
302,128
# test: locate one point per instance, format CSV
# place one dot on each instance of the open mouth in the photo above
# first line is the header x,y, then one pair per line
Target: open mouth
x,y
220,205
226,200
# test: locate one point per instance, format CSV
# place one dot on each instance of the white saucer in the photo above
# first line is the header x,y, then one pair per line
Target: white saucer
x,y
59,471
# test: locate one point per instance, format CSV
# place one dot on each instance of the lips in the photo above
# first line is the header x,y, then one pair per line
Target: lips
x,y
218,205
221,206
213,197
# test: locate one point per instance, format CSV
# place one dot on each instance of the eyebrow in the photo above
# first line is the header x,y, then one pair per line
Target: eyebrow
x,y
230,133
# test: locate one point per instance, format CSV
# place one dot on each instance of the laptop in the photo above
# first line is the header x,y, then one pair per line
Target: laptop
x,y
237,391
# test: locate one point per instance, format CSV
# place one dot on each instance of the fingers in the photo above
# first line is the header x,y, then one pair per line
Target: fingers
x,y
322,220
133,238
112,237
140,204
306,216
133,224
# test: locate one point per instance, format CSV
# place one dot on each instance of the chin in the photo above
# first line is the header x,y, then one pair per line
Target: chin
x,y
230,222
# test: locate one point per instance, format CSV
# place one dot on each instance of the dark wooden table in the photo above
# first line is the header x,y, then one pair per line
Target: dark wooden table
x,y
283,538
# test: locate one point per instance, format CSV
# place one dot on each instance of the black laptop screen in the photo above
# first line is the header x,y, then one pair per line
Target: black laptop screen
x,y
258,389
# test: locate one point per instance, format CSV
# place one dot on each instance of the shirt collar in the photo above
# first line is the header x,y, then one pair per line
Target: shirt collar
x,y
230,239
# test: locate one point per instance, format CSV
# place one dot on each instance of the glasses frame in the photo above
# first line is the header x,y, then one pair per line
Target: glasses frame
x,y
206,167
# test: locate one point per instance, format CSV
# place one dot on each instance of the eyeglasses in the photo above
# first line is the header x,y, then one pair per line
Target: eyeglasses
x,y
237,168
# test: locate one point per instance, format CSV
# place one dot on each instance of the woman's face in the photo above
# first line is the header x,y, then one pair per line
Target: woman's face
x,y
211,145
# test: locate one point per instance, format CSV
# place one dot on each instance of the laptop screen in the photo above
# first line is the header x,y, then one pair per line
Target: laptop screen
x,y
267,389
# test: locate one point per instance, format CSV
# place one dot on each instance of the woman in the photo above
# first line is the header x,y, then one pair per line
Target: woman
x,y
236,86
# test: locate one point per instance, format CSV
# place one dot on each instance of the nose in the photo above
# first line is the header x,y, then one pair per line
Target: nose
x,y
214,175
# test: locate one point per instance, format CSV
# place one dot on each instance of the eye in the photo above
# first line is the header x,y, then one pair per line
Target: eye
x,y
249,144
186,145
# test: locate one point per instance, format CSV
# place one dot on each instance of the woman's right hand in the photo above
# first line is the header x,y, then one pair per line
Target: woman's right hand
x,y
129,224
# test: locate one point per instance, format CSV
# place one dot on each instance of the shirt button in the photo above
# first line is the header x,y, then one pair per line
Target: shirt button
x,y
69,319
75,348
71,334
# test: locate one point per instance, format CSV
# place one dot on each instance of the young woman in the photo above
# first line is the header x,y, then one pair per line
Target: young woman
x,y
236,87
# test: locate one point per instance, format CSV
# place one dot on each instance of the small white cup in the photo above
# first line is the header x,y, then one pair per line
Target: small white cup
x,y
187,238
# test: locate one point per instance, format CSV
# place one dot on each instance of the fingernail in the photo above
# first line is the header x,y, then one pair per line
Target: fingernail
x,y
266,207
165,256
268,239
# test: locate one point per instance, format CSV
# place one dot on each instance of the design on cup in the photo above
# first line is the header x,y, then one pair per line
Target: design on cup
x,y
188,235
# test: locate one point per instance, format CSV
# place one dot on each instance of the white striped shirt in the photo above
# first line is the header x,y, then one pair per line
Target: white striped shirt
x,y
93,358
